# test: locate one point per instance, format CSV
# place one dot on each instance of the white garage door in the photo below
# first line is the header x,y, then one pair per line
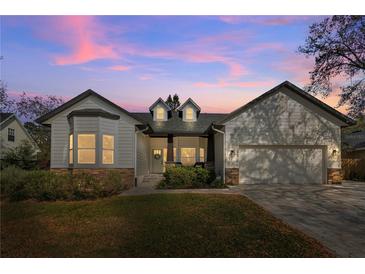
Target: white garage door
x,y
281,164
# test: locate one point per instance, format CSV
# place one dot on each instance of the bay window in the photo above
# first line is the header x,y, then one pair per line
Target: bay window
x,y
201,155
86,149
71,149
188,156
108,149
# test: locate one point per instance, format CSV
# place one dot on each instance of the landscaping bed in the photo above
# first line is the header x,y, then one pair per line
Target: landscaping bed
x,y
43,185
161,225
189,177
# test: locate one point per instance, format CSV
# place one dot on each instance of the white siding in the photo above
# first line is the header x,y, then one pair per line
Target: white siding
x,y
20,136
281,120
61,129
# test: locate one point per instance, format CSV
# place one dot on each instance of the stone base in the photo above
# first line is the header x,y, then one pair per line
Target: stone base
x,y
334,176
232,176
126,173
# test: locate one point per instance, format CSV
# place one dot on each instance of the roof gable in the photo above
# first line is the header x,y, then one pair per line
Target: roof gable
x,y
159,101
189,101
79,98
298,91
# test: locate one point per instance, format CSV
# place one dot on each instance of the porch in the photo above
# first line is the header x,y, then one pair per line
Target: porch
x,y
155,153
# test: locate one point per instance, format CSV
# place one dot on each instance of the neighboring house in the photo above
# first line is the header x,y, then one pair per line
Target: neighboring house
x,y
354,145
283,136
13,133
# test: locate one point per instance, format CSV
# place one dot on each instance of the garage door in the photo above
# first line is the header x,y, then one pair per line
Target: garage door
x,y
281,164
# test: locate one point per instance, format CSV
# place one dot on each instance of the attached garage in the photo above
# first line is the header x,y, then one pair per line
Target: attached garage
x,y
281,164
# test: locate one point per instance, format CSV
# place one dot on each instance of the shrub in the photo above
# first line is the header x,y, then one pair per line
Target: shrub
x,y
185,177
22,156
18,184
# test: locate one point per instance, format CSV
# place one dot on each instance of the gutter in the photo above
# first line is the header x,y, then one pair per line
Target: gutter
x,y
224,152
135,152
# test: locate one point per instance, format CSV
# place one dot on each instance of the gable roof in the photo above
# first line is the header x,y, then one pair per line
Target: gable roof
x,y
4,116
77,99
175,125
347,120
191,101
7,118
159,100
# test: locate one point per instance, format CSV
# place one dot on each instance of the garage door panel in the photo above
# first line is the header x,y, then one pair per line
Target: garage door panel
x,y
270,165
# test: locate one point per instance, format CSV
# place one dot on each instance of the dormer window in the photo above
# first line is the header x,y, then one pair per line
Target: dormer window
x,y
189,115
189,111
160,114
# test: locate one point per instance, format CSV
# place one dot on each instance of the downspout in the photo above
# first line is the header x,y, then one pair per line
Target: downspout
x,y
224,152
135,152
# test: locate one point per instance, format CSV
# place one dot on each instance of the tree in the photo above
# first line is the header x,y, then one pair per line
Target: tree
x,y
173,101
28,108
338,45
6,104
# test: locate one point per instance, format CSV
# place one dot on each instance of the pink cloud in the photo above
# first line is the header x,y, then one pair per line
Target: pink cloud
x,y
145,77
225,84
119,68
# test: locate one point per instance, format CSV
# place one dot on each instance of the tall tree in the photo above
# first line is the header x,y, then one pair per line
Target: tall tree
x,y
338,45
6,104
173,101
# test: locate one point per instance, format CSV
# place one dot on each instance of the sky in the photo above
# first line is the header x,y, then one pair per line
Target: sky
x,y
221,62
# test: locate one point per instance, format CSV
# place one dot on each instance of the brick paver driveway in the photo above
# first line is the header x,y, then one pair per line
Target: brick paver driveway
x,y
335,215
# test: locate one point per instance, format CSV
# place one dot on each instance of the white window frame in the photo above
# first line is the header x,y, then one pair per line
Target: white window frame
x,y
160,111
192,157
80,149
108,149
11,133
201,157
187,112
71,149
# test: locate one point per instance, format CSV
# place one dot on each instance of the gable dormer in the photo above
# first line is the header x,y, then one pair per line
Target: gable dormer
x,y
189,111
160,110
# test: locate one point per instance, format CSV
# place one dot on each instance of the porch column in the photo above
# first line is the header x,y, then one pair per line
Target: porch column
x,y
170,148
210,149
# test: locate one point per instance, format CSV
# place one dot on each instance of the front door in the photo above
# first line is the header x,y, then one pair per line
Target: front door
x,y
157,161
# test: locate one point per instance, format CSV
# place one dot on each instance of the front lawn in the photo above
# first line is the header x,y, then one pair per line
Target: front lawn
x,y
165,225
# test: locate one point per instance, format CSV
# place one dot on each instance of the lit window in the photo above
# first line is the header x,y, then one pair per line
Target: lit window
x,y
160,113
201,155
86,148
11,134
108,149
71,149
189,114
188,156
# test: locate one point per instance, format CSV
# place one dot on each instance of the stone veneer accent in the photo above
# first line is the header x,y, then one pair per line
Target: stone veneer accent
x,y
232,176
334,176
127,173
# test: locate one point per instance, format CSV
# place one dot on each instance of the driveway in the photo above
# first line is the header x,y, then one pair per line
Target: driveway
x,y
333,214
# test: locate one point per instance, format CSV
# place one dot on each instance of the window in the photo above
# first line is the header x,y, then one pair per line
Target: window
x,y
188,156
160,113
11,134
71,149
201,155
108,149
86,148
189,114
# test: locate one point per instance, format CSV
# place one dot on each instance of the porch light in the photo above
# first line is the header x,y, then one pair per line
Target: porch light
x,y
231,153
334,152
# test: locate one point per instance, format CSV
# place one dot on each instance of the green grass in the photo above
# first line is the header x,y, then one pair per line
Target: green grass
x,y
165,225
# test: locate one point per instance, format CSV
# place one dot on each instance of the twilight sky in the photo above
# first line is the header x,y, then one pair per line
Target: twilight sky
x,y
221,62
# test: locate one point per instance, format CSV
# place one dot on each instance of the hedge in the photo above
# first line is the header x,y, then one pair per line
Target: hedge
x,y
18,184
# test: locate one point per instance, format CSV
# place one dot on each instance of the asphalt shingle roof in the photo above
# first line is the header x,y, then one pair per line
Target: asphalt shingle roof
x,y
175,124
4,116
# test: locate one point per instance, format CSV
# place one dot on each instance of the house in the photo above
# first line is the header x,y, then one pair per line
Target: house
x,y
283,136
13,133
354,145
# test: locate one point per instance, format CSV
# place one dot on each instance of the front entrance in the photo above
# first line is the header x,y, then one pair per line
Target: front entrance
x,y
157,161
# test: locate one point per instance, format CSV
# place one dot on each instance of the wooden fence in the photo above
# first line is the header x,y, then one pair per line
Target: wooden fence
x,y
353,169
